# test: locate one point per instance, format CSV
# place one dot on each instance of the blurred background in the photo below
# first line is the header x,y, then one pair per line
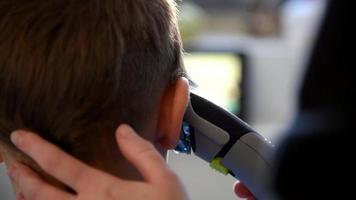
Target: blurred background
x,y
247,56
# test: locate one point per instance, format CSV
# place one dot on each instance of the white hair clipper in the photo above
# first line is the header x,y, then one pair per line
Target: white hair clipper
x,y
230,145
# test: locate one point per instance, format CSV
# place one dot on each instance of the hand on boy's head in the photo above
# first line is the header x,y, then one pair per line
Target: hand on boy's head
x,y
160,182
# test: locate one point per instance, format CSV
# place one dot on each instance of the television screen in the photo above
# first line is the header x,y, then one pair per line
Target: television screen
x,y
218,77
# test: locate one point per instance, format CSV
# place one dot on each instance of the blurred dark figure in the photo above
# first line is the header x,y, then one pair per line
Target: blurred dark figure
x,y
316,159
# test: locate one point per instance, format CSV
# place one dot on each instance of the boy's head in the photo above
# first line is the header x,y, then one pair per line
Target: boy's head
x,y
73,70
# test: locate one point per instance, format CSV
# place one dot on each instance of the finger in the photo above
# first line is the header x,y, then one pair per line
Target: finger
x,y
141,153
32,187
50,158
242,191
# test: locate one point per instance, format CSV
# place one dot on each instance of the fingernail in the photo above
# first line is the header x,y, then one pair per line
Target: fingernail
x,y
16,138
126,131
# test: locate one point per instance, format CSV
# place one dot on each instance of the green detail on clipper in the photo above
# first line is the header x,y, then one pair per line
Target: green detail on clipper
x,y
216,164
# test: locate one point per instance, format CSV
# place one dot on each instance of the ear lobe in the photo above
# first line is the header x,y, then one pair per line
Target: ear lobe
x,y
173,105
1,159
2,153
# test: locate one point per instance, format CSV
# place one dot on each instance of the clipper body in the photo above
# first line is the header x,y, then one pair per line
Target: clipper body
x,y
231,145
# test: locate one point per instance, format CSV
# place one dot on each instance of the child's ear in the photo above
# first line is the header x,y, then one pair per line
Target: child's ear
x,y
172,109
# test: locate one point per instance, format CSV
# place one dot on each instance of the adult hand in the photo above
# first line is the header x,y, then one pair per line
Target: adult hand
x,y
160,183
242,191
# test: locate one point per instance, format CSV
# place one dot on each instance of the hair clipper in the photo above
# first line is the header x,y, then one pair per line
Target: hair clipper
x,y
230,145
